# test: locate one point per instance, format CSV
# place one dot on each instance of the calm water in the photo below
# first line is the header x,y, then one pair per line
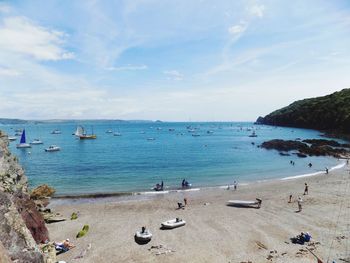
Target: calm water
x,y
132,163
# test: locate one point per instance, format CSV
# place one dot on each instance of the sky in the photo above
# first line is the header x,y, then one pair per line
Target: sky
x,y
178,60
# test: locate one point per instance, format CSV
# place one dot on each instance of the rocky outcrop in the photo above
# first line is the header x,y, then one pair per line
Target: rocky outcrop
x,y
308,147
21,224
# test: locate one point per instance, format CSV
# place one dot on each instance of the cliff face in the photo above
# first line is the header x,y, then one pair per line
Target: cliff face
x,y
331,113
21,224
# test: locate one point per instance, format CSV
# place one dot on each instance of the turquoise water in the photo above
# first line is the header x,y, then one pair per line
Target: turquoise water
x,y
130,162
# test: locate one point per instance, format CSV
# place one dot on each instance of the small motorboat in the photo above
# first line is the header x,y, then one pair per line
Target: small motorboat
x,y
143,236
253,134
56,131
36,142
173,223
196,135
109,131
52,148
117,134
150,139
12,138
242,203
210,132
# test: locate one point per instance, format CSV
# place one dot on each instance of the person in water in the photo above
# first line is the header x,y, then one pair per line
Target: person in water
x,y
183,183
310,165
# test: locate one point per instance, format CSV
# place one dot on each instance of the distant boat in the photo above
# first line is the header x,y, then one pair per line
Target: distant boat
x,y
253,134
117,134
52,148
82,135
150,139
36,142
195,135
12,138
171,129
56,131
210,132
109,131
22,143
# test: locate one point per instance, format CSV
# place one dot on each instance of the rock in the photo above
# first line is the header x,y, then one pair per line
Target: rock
x,y
42,191
14,234
4,256
32,218
283,146
83,232
21,224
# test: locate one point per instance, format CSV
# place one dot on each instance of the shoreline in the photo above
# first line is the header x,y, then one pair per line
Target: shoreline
x,y
226,233
133,195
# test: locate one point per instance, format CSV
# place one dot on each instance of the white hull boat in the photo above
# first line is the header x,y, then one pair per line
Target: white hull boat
x,y
36,142
12,138
23,143
173,223
52,148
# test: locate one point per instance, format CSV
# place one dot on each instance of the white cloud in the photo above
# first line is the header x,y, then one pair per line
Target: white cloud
x,y
257,10
8,72
174,74
20,35
128,68
4,8
238,29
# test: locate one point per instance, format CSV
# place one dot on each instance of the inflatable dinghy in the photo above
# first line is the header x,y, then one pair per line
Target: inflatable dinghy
x,y
173,223
242,203
143,236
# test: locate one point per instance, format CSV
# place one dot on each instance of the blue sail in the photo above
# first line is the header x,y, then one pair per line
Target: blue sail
x,y
23,137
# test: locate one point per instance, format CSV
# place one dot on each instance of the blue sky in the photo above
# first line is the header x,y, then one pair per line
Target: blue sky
x,y
171,60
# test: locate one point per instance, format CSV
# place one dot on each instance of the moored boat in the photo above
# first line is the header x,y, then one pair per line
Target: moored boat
x,y
82,135
23,143
36,142
12,138
56,131
52,148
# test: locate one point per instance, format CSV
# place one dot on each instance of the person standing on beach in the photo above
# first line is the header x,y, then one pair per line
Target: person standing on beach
x,y
234,185
290,198
299,204
326,170
306,190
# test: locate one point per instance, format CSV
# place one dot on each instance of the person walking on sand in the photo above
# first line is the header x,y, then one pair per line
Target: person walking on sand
x,y
290,198
185,201
299,204
326,170
306,190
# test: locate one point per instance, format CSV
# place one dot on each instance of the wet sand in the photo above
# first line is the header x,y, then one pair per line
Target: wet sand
x,y
216,232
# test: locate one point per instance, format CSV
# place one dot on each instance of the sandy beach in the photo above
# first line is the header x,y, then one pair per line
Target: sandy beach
x,y
214,231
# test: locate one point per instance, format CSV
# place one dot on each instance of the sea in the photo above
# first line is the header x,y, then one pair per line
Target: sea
x,y
206,154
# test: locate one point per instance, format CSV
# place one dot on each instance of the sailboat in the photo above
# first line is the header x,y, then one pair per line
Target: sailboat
x,y
22,143
82,135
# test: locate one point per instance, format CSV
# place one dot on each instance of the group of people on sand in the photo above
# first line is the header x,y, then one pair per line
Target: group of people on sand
x,y
301,239
182,205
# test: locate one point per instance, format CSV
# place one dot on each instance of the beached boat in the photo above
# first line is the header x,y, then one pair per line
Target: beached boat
x,y
242,203
52,148
144,236
173,223
12,138
22,143
82,135
36,142
56,131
